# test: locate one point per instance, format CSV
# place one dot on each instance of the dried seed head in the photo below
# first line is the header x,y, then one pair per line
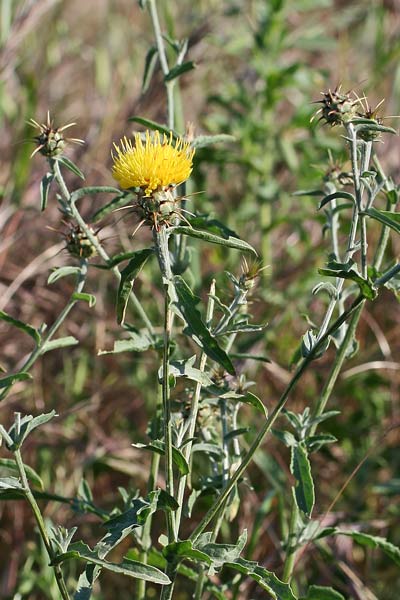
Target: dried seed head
x,y
78,244
373,115
337,107
51,141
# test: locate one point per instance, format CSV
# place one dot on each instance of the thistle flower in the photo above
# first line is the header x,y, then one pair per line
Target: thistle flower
x,y
154,164
51,141
337,107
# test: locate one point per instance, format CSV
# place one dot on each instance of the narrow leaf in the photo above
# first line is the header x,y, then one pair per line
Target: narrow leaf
x,y
44,189
152,125
128,276
374,541
89,298
6,382
62,272
196,329
9,463
230,242
149,66
158,446
330,197
90,191
131,568
179,70
385,217
202,141
64,342
66,162
266,579
21,325
301,470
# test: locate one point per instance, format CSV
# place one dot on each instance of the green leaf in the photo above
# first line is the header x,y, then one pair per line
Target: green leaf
x,y
44,189
66,162
374,541
118,202
158,446
62,272
208,448
308,193
315,442
9,463
64,342
184,368
182,550
202,141
330,197
89,298
149,66
253,400
152,125
120,527
348,271
203,222
86,581
21,325
318,592
286,437
92,190
277,589
119,258
247,356
301,470
10,483
230,242
386,217
179,70
221,553
22,427
196,329
128,276
6,382
131,568
139,342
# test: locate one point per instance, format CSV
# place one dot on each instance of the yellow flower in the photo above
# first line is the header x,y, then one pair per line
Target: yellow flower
x,y
153,164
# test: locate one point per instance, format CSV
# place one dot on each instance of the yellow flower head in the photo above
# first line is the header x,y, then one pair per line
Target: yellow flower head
x,y
153,164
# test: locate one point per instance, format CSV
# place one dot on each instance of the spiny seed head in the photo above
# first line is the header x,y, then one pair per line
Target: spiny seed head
x,y
373,115
51,141
78,244
250,274
337,107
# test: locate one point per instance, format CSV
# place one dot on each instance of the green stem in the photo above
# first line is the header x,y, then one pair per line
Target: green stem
x,y
55,169
41,347
194,409
41,525
220,501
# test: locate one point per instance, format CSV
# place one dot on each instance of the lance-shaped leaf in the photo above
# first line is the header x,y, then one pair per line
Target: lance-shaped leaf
x,y
138,342
373,541
66,162
92,190
348,271
153,125
22,427
128,276
196,328
185,368
21,325
179,70
301,470
44,189
64,342
334,196
230,242
9,380
131,568
201,141
386,217
62,272
158,446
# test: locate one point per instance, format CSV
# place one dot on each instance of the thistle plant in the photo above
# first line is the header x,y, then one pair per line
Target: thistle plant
x,y
198,447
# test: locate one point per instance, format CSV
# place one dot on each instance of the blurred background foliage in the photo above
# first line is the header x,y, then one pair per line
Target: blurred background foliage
x,y
260,64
